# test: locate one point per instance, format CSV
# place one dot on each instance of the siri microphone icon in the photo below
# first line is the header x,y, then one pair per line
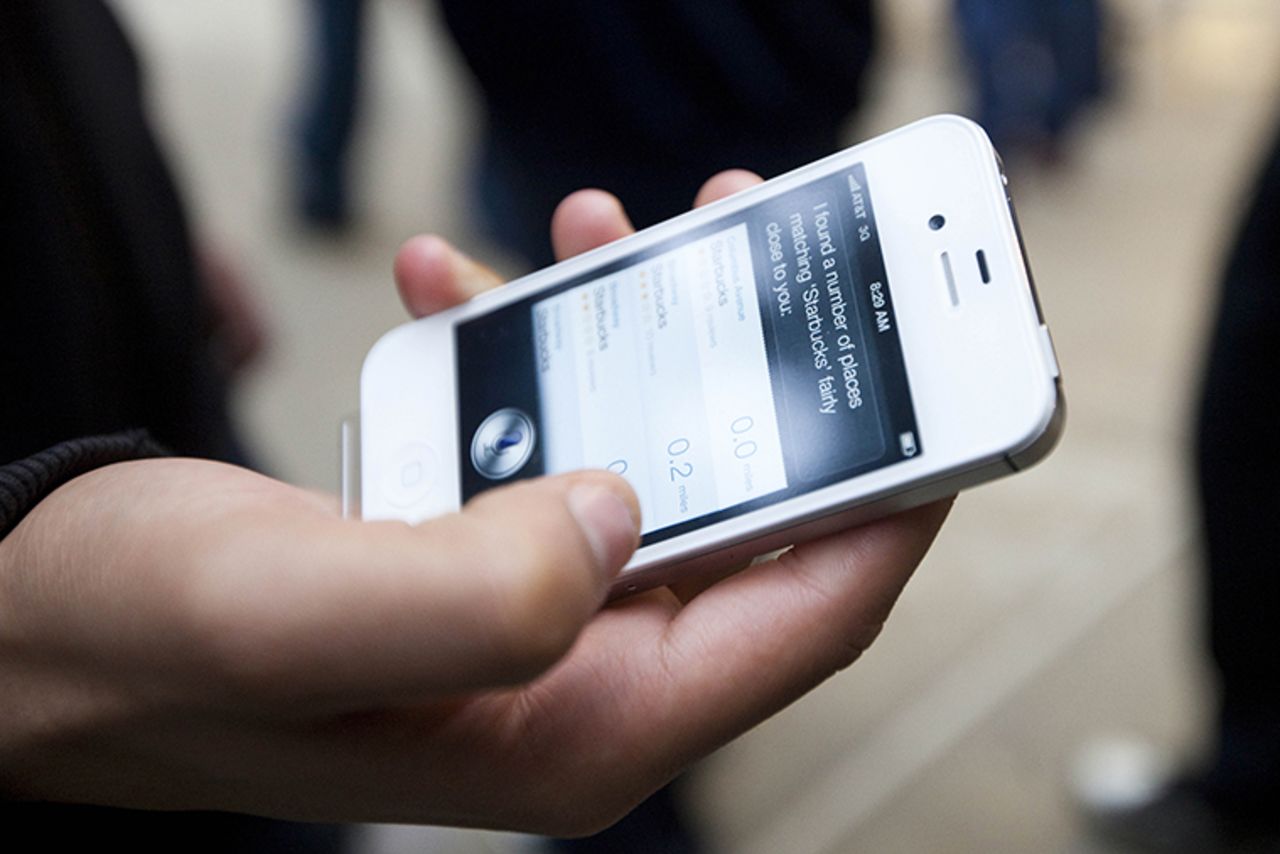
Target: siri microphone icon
x,y
503,443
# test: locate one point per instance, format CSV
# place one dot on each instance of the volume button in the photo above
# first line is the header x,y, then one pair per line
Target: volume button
x,y
1051,356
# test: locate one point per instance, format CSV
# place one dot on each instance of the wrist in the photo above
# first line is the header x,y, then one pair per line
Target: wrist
x,y
24,483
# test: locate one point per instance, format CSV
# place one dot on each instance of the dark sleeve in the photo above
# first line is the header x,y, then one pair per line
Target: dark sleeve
x,y
683,77
24,483
101,314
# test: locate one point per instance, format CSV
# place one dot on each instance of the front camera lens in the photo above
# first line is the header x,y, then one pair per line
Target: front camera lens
x,y
937,221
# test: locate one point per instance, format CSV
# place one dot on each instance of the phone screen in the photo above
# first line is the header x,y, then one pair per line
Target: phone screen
x,y
740,363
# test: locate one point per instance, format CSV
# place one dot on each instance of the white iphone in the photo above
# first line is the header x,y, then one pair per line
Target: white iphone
x,y
847,340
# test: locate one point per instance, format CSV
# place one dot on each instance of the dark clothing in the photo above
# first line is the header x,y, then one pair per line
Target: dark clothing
x,y
1238,470
101,321
645,98
1035,63
329,110
102,328
78,828
648,98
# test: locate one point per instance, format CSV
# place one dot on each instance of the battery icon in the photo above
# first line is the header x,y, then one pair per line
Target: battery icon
x,y
907,441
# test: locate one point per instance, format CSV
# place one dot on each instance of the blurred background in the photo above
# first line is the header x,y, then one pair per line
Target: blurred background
x,y
1058,608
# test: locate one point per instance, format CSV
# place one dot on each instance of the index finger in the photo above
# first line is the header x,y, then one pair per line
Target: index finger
x,y
725,184
432,275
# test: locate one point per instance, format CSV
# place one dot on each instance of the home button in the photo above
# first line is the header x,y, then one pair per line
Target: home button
x,y
409,475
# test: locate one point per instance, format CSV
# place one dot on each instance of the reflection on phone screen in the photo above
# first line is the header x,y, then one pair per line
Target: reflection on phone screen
x,y
747,360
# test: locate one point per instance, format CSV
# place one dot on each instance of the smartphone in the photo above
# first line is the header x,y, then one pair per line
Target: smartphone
x,y
850,339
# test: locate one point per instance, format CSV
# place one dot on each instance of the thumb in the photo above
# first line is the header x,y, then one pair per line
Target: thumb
x,y
383,611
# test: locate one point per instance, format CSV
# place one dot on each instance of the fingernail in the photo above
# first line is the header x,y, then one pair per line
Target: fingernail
x,y
472,276
607,523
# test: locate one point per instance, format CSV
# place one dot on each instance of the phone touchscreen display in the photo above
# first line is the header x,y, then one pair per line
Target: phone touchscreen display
x,y
740,363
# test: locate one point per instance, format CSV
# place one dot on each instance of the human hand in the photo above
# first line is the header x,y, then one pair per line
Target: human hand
x,y
433,276
178,634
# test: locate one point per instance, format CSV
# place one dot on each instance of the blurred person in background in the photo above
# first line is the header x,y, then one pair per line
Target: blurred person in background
x,y
1035,65
646,98
1231,803
328,110
642,98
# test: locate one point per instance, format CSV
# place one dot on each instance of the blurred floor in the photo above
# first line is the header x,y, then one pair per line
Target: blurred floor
x,y
1057,606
